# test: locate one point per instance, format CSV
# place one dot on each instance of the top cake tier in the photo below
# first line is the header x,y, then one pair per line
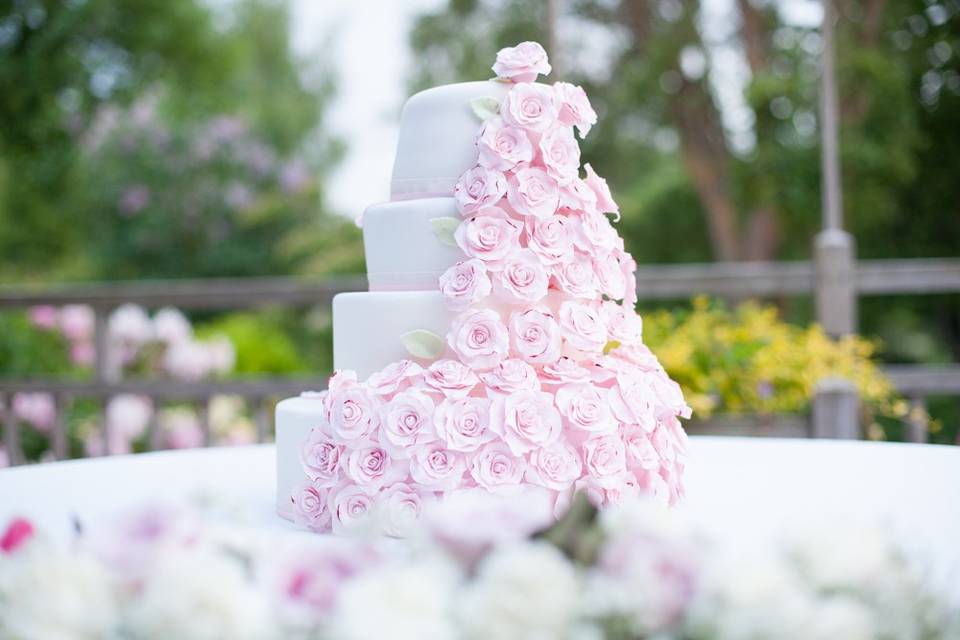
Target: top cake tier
x,y
437,142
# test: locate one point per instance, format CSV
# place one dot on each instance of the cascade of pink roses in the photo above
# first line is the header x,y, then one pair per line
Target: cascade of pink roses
x,y
545,384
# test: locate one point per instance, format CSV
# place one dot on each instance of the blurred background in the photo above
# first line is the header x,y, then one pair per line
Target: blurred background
x,y
179,181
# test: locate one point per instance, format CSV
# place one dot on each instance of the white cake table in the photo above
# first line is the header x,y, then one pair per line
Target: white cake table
x,y
743,489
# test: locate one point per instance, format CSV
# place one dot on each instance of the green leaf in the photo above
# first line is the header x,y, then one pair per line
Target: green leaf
x,y
423,344
610,346
444,229
485,108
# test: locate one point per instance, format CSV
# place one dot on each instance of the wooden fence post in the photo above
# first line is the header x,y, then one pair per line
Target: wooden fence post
x,y
835,410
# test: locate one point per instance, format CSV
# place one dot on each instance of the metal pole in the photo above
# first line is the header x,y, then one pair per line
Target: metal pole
x,y
832,199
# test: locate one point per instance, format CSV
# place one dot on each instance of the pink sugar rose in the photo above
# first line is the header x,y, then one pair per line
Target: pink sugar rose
x,y
582,326
349,505
502,146
437,469
371,467
479,187
549,238
640,450
464,424
479,338
395,376
465,283
585,407
639,355
399,506
605,203
564,371
576,278
594,235
605,456
310,508
497,469
560,153
490,236
670,394
407,421
353,412
555,467
609,277
451,378
320,456
522,63
522,279
577,197
623,323
654,486
526,420
629,267
531,106
575,109
535,336
532,192
511,376
633,401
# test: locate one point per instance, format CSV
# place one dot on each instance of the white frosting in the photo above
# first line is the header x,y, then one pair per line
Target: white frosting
x,y
294,419
437,142
403,253
367,326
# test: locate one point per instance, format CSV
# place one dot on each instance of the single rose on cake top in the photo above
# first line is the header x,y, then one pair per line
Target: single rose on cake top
x,y
522,63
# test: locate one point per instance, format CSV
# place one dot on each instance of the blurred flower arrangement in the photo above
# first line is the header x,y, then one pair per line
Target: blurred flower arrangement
x,y
748,360
476,566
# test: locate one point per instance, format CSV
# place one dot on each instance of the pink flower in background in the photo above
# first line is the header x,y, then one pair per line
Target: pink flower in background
x,y
294,176
82,353
171,326
130,325
503,146
586,408
582,326
38,409
477,188
497,469
321,455
531,106
511,376
575,109
465,283
522,63
393,377
18,532
598,185
436,468
134,199
605,456
555,467
523,278
189,361
76,322
43,316
349,506
479,338
128,415
451,378
526,420
560,153
549,238
489,236
181,428
577,278
311,509
532,192
464,424
535,336
408,421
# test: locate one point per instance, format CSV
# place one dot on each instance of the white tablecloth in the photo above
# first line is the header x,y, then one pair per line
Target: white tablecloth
x,y
744,489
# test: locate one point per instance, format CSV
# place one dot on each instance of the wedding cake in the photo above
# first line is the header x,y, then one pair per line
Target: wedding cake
x,y
498,348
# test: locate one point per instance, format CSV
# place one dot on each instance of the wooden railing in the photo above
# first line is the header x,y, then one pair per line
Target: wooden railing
x,y
738,280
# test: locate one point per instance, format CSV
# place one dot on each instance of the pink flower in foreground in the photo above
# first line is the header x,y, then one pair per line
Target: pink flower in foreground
x,y
464,424
436,468
497,469
43,316
605,203
511,376
408,421
76,322
349,506
522,63
582,326
535,336
353,413
394,377
532,192
560,153
555,467
310,508
523,278
503,146
605,456
371,467
451,378
586,408
479,338
531,106
17,533
623,323
576,277
479,187
549,238
490,235
465,283
36,408
526,420
575,107
320,456
640,450
609,277
564,371
578,197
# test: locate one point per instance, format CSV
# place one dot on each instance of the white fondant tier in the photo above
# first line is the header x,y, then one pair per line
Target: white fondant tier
x,y
367,326
295,417
437,141
402,251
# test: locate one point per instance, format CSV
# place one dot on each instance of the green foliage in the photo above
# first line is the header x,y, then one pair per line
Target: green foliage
x,y
261,343
26,350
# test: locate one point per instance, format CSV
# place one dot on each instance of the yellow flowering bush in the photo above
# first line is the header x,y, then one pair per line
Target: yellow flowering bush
x,y
748,360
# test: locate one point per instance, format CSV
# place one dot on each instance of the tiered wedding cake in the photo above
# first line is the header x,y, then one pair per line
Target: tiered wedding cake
x,y
498,347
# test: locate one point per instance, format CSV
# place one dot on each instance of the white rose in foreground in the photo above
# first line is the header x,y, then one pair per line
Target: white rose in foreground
x,y
522,591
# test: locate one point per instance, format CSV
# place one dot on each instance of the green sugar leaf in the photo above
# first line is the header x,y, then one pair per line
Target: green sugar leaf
x,y
485,108
444,229
423,344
